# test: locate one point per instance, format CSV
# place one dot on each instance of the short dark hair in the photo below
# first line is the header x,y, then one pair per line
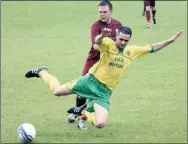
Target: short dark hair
x,y
125,30
106,2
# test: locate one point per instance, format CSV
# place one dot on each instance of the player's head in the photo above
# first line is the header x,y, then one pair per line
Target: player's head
x,y
105,10
123,36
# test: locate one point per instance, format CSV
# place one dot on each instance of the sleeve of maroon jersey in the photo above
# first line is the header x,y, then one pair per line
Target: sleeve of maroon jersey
x,y
119,25
94,32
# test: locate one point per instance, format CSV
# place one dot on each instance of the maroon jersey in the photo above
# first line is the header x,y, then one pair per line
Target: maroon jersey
x,y
96,29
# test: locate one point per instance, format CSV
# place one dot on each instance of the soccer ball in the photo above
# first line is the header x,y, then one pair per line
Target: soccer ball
x,y
26,132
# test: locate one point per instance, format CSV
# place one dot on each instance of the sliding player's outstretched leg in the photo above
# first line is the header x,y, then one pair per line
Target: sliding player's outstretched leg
x,y
50,80
35,72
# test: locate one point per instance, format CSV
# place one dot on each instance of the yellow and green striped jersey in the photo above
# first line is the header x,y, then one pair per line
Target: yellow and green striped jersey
x,y
113,62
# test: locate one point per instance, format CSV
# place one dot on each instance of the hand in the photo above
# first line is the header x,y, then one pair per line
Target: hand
x,y
95,46
177,35
106,32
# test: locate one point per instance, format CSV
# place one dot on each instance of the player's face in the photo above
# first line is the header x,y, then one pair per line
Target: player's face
x,y
122,40
105,13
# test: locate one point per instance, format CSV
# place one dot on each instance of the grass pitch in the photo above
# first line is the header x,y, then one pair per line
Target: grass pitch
x,y
150,103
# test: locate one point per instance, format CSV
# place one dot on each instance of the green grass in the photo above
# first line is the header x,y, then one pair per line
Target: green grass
x,y
149,104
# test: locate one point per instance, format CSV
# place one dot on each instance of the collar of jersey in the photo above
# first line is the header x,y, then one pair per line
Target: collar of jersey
x,y
120,51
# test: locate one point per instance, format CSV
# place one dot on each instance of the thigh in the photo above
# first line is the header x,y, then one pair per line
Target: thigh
x,y
62,90
101,114
101,102
147,3
80,87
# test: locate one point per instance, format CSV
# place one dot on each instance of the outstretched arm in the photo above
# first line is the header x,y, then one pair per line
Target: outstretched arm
x,y
98,39
161,45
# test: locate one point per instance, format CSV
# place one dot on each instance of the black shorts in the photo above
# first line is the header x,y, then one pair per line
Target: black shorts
x,y
149,3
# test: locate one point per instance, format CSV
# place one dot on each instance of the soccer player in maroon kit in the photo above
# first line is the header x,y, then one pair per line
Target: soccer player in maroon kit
x,y
150,6
106,21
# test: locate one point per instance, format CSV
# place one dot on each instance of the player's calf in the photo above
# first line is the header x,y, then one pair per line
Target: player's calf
x,y
80,101
148,16
153,11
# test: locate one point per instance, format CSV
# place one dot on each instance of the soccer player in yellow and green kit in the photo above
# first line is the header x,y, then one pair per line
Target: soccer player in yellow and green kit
x,y
98,84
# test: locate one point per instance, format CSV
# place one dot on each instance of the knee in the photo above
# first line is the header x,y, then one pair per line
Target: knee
x,y
148,8
61,91
153,9
56,91
100,124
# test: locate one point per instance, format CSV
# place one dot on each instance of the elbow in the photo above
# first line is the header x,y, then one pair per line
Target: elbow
x,y
96,41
